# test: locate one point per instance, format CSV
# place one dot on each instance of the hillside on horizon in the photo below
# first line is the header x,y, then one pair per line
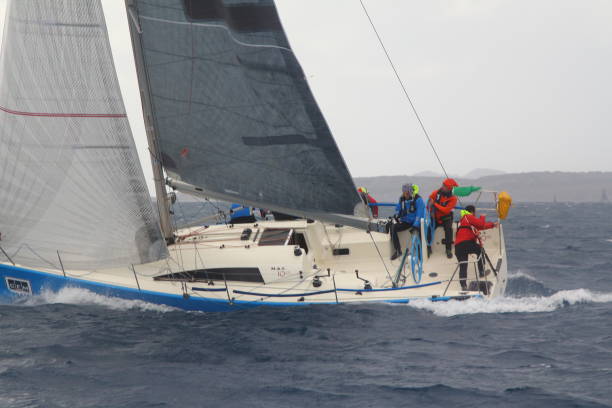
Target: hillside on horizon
x,y
523,187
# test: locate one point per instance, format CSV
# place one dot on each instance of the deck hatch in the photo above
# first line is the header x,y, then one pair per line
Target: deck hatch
x,y
275,236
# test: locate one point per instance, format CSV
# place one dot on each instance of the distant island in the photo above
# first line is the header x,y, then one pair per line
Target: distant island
x,y
523,187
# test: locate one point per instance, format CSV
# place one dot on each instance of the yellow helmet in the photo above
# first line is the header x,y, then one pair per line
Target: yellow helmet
x,y
363,190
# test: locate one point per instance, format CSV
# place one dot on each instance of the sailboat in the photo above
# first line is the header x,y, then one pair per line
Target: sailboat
x,y
229,115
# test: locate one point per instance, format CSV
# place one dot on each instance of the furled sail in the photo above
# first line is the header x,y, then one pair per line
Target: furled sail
x,y
70,178
233,113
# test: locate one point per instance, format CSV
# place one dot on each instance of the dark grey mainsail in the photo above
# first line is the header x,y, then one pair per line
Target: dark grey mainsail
x,y
70,177
233,113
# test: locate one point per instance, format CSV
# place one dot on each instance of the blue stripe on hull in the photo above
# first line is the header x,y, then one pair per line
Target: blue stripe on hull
x,y
42,281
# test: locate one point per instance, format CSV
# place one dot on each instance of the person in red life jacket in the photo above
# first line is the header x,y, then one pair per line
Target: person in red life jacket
x,y
441,204
468,241
368,199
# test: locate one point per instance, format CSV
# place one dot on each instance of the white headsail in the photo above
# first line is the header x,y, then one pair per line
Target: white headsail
x,y
70,179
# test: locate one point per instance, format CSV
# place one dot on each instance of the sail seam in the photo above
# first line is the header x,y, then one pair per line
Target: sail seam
x,y
64,115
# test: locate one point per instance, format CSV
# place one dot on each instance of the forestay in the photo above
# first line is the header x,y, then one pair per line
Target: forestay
x,y
233,113
70,178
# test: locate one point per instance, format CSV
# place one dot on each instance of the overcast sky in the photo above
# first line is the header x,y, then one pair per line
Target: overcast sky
x,y
514,85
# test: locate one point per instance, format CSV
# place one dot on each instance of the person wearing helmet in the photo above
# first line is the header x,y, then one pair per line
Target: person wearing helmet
x,y
468,242
441,204
368,199
408,213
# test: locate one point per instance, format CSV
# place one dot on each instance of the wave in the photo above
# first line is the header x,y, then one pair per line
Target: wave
x,y
521,284
78,296
521,274
533,304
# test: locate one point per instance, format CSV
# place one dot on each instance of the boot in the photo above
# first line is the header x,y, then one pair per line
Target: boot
x,y
395,255
449,253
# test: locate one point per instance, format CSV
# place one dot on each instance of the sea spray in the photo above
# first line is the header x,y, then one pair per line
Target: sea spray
x,y
78,296
533,304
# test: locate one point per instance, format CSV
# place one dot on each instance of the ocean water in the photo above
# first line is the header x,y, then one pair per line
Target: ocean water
x,y
547,343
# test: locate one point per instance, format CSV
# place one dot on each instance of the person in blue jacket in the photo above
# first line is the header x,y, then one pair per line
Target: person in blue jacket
x,y
409,211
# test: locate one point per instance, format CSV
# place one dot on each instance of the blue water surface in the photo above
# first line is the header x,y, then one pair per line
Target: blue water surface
x,y
547,343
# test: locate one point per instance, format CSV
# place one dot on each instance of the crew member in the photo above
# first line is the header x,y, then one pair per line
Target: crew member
x,y
408,213
368,199
441,204
468,241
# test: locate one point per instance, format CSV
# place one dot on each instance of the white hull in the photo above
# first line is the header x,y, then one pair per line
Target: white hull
x,y
288,263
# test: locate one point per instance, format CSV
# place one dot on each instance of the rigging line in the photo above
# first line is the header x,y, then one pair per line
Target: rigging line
x,y
381,258
403,88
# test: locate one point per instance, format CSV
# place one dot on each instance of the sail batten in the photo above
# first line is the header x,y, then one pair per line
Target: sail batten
x,y
232,109
72,185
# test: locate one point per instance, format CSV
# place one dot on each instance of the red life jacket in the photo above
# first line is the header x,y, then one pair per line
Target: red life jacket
x,y
442,205
469,228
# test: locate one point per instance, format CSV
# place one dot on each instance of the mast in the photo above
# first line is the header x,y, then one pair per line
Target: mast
x,y
163,205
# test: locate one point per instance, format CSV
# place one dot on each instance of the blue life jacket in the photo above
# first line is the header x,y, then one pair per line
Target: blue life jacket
x,y
410,211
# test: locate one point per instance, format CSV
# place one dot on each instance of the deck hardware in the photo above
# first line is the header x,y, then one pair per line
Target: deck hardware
x,y
366,283
222,246
211,283
133,270
247,246
301,275
451,279
301,299
64,271
230,300
297,251
246,234
7,257
433,274
184,289
358,293
316,282
335,289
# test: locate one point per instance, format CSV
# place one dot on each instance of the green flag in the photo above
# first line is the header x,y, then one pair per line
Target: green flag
x,y
465,190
